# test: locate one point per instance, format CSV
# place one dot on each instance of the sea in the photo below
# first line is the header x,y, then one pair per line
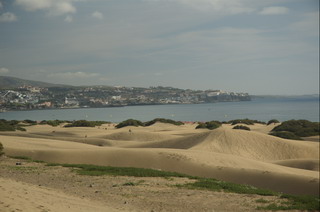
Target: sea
x,y
262,109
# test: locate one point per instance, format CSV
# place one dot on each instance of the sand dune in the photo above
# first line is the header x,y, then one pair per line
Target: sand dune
x,y
312,165
233,155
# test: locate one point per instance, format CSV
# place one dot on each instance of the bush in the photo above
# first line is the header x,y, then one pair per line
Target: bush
x,y
241,127
53,123
84,123
273,121
245,121
209,125
129,122
300,128
169,121
286,135
28,121
1,149
12,125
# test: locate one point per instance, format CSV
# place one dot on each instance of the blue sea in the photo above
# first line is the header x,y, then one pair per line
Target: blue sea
x,y
262,109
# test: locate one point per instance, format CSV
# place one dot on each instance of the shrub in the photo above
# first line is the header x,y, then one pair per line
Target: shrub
x,y
273,121
53,123
129,122
245,121
85,123
28,121
302,128
209,125
286,135
12,125
241,127
169,121
1,149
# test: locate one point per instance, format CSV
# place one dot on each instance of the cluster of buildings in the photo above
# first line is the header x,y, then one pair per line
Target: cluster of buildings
x,y
28,97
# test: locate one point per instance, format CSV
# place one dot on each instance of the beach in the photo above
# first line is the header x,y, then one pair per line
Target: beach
x,y
245,157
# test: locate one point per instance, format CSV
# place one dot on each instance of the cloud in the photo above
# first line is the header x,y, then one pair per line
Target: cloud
x,y
68,19
73,75
307,25
97,15
220,6
1,5
4,70
53,7
274,11
8,17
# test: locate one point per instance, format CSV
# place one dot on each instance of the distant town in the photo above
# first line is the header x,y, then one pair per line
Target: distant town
x,y
29,97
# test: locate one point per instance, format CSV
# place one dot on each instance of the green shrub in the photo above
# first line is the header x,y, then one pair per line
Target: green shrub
x,y
12,125
53,123
241,127
273,121
245,121
28,121
85,123
169,121
301,128
129,122
1,149
286,135
209,125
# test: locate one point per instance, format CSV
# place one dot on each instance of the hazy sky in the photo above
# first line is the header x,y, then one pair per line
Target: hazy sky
x,y
255,46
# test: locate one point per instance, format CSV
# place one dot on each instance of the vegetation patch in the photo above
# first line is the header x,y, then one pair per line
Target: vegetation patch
x,y
209,125
28,159
1,149
162,120
273,121
12,125
294,202
245,121
241,127
300,128
216,185
93,170
85,123
53,123
30,122
130,122
286,135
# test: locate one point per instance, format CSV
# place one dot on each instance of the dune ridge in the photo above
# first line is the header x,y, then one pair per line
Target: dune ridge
x,y
253,158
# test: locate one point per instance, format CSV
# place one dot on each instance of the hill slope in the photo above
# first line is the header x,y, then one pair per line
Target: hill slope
x,y
13,82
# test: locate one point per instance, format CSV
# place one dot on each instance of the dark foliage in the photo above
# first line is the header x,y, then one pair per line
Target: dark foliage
x,y
1,149
302,128
84,123
286,135
162,120
245,121
12,125
273,121
241,127
28,121
209,125
53,123
129,122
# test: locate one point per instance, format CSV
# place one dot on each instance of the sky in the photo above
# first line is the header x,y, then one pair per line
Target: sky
x,y
256,46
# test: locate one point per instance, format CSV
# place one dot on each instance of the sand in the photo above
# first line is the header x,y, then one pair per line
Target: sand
x,y
248,157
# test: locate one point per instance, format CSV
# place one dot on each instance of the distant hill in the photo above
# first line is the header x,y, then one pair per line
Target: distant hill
x,y
13,82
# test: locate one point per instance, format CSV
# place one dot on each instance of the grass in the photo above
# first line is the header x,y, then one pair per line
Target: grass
x,y
26,158
290,202
93,170
217,185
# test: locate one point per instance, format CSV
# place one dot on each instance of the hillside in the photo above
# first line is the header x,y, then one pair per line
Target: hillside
x,y
13,82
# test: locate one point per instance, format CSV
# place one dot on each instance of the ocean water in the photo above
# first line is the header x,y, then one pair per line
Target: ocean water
x,y
262,109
